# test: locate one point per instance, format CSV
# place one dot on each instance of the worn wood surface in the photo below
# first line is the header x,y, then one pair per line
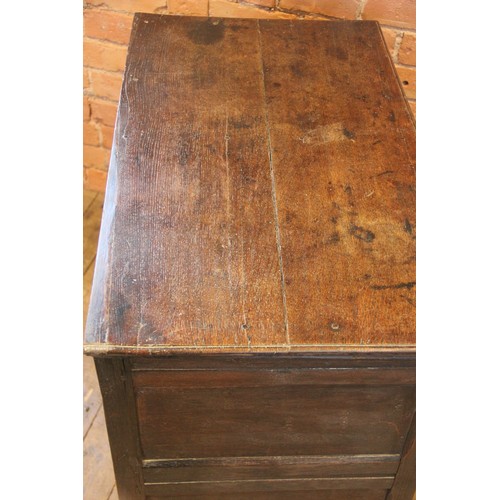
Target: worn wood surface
x,y
98,478
229,414
261,192
258,485
287,467
121,422
98,473
282,495
405,481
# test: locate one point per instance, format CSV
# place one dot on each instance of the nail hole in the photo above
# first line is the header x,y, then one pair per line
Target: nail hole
x,y
405,82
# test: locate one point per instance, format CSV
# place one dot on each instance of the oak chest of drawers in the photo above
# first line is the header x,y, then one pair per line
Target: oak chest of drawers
x,y
252,315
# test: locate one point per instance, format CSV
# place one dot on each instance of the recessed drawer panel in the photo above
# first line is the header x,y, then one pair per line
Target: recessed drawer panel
x,y
198,413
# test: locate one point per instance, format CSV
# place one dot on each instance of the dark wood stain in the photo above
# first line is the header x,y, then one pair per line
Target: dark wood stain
x,y
253,307
207,32
216,214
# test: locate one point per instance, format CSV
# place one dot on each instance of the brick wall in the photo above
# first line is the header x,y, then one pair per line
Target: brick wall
x,y
107,25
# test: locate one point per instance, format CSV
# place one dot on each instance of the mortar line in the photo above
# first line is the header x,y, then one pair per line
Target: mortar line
x,y
360,9
273,189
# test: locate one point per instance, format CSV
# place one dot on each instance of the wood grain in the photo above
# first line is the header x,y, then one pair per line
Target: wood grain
x,y
270,205
98,477
405,481
98,469
309,485
283,495
343,161
121,423
91,230
241,468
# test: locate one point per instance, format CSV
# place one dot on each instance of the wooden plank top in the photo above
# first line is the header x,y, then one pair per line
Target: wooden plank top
x,y
261,192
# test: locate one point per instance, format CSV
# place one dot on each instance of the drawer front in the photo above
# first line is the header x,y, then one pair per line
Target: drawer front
x,y
283,495
274,489
279,413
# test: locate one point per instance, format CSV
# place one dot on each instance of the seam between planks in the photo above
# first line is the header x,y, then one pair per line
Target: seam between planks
x,y
273,189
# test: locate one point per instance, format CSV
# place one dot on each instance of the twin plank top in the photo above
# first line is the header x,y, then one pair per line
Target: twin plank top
x,y
261,192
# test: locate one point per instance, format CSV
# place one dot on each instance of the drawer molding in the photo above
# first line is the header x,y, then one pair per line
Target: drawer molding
x,y
257,485
280,467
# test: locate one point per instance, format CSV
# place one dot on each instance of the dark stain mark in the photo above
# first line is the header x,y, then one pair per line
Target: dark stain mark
x,y
334,238
307,121
348,189
168,221
376,142
407,299
341,54
334,326
277,85
184,154
361,97
239,123
348,133
207,32
408,227
296,69
392,117
334,220
367,276
249,180
386,172
290,216
119,312
361,234
408,286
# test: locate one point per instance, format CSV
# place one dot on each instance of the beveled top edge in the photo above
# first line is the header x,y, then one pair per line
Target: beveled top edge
x,y
164,350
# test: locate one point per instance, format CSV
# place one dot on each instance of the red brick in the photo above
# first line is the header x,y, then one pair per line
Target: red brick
x,y
107,25
399,13
159,6
227,8
408,77
107,136
91,134
97,157
390,40
94,179
104,55
103,111
86,81
188,7
407,50
107,85
86,108
343,9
